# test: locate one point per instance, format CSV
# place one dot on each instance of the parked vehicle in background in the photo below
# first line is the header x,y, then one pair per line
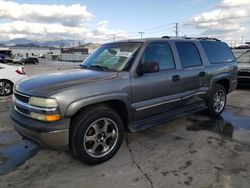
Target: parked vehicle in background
x,y
18,60
2,58
244,68
5,59
9,75
28,60
127,85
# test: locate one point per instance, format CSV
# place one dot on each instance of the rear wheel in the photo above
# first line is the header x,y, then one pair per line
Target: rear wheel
x,y
217,101
6,87
96,135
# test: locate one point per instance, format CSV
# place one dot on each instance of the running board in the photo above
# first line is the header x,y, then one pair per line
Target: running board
x,y
166,117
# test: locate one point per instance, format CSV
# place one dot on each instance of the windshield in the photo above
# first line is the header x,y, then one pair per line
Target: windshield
x,y
245,58
112,57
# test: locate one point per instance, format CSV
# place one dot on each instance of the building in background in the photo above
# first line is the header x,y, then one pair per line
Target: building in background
x,y
5,51
33,51
74,54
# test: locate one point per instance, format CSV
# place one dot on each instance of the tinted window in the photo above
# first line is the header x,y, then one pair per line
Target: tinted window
x,y
160,53
189,54
245,58
217,52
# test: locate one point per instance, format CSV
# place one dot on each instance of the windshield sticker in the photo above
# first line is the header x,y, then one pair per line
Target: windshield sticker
x,y
124,54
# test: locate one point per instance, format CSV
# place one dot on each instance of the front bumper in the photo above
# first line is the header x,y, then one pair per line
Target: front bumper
x,y
50,135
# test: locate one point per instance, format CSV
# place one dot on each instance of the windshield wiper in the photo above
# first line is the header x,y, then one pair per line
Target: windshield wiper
x,y
84,66
99,67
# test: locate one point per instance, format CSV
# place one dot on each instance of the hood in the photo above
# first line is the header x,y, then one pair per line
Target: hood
x,y
44,84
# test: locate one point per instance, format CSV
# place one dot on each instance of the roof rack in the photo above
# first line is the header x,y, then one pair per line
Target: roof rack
x,y
166,37
189,38
207,38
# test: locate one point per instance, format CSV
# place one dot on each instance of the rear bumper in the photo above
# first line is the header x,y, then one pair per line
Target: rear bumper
x,y
244,80
49,135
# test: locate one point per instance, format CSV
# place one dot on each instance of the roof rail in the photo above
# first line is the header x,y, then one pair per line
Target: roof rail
x,y
207,38
166,37
189,38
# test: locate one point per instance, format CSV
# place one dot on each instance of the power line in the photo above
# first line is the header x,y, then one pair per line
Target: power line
x,y
158,27
152,29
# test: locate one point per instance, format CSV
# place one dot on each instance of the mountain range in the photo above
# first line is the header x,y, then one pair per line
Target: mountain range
x,y
22,42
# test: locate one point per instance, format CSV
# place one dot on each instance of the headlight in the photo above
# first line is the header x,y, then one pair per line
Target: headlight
x,y
43,102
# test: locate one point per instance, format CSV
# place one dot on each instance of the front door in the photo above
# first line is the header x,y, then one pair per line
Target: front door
x,y
155,93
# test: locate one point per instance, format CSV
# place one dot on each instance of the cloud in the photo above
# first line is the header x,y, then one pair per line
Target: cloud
x,y
48,22
228,20
233,3
72,15
38,31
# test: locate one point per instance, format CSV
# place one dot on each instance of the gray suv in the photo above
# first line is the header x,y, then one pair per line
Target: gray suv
x,y
124,86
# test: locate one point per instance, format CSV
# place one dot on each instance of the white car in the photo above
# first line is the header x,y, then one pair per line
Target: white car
x,y
9,75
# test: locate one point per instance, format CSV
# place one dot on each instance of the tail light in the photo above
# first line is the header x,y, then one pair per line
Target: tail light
x,y
18,71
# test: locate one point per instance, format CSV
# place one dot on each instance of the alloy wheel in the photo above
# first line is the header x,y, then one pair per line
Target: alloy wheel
x,y
100,137
219,101
5,88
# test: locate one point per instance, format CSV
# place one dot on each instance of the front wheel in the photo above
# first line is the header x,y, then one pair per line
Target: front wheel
x,y
217,101
96,135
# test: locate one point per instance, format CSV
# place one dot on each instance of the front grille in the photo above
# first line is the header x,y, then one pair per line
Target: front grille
x,y
22,110
22,97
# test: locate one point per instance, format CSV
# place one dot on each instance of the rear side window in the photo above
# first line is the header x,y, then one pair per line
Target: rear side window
x,y
189,54
217,52
245,58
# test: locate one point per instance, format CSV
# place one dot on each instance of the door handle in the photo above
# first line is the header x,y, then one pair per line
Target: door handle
x,y
176,78
202,74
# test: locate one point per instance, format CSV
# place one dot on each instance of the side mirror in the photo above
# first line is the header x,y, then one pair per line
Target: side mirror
x,y
148,67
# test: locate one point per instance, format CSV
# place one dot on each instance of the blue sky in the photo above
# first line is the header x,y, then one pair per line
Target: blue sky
x,y
100,21
133,16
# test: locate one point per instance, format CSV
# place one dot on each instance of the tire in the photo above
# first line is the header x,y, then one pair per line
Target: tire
x,y
217,101
96,135
6,87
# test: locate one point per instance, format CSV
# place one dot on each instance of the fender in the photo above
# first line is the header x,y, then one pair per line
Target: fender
x,y
75,106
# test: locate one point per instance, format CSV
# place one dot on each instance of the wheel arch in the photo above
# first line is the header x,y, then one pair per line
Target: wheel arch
x,y
223,80
224,83
118,105
3,79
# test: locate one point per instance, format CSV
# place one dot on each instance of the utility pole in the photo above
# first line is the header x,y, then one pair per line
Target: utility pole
x,y
114,38
242,40
141,33
176,29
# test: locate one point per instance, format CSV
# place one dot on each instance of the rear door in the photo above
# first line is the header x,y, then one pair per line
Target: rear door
x,y
155,93
193,70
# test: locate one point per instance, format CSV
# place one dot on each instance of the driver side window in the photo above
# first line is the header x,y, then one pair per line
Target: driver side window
x,y
160,53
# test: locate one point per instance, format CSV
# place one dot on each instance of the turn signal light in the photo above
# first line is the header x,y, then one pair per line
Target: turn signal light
x,y
52,117
45,117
